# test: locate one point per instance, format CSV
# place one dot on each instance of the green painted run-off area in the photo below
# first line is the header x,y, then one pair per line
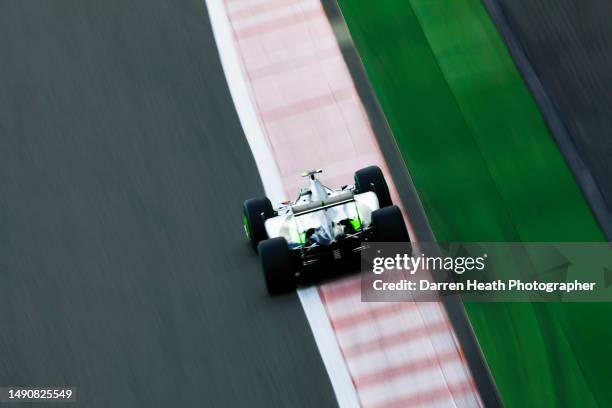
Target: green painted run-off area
x,y
487,169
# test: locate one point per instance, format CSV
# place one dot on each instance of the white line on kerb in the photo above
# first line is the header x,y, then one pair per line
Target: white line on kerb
x,y
324,336
316,315
232,67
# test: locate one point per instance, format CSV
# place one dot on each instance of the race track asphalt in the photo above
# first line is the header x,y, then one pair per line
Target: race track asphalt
x,y
123,267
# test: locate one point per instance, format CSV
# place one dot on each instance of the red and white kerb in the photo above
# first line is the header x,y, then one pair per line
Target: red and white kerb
x,y
397,354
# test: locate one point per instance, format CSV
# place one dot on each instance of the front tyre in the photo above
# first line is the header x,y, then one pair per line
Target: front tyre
x,y
277,266
372,179
389,225
256,212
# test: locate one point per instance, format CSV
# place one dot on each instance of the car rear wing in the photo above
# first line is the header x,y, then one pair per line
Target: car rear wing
x,y
342,198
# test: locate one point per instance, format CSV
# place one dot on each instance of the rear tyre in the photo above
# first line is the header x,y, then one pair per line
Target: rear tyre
x,y
277,266
372,179
389,225
256,212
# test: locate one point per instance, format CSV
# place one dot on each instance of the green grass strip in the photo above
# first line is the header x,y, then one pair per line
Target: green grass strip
x,y
487,169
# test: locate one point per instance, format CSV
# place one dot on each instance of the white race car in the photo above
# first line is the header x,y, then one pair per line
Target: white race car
x,y
321,227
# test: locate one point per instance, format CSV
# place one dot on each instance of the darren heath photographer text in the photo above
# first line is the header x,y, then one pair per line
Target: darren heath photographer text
x,y
458,265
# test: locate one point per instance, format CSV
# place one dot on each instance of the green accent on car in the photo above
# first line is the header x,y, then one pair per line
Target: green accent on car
x,y
487,169
356,223
245,225
294,231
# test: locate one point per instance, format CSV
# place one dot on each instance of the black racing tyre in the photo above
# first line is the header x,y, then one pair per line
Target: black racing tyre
x,y
372,179
256,211
277,266
389,225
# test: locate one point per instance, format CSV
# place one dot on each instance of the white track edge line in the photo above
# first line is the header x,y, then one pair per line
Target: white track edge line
x,y
324,336
232,68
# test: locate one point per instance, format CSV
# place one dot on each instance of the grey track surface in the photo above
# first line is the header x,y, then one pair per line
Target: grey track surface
x,y
453,305
564,50
123,268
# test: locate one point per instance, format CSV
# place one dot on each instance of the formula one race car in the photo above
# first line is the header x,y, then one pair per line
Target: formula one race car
x,y
321,227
